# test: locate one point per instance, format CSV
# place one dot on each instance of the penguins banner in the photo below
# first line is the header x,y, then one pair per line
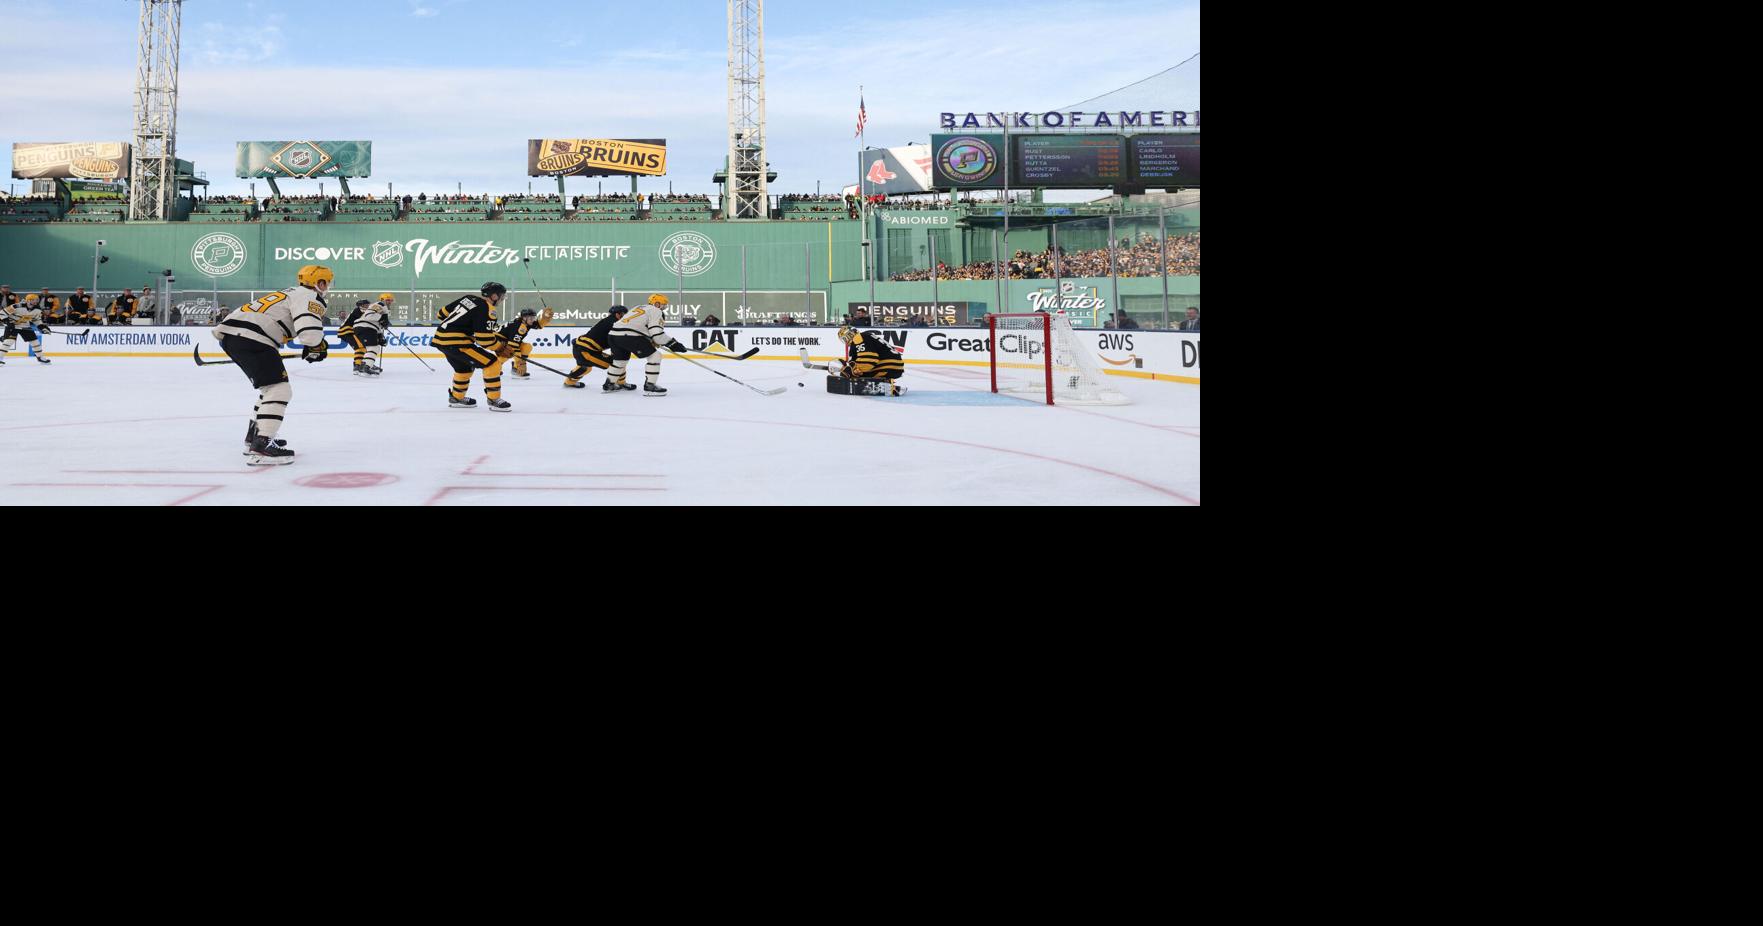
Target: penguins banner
x,y
85,160
596,157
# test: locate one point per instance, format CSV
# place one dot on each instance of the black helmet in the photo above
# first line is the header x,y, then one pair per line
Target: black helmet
x,y
618,311
494,289
526,312
361,302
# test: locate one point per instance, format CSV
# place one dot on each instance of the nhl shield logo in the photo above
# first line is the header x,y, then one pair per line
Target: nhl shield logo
x,y
388,254
688,254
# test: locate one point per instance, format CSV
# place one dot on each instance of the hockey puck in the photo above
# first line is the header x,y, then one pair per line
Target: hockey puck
x,y
800,386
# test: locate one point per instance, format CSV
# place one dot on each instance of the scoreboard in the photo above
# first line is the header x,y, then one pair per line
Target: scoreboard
x,y
1077,161
1166,160
1129,163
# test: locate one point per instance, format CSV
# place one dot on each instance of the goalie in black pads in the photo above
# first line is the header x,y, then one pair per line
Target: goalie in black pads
x,y
590,351
870,368
253,335
640,333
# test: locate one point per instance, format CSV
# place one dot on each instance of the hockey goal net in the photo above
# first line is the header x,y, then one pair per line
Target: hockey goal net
x,y
1040,355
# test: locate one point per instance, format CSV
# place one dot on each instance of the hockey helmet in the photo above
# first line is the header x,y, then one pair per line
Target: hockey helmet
x,y
30,297
362,302
658,299
618,311
387,297
849,333
311,274
493,289
525,312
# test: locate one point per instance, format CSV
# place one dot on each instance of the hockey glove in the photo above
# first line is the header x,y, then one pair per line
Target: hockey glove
x,y
544,317
507,350
676,346
44,329
314,354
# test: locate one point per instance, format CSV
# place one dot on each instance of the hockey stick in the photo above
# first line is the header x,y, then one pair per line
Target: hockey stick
x,y
813,366
543,301
778,391
71,334
419,358
196,354
543,367
744,356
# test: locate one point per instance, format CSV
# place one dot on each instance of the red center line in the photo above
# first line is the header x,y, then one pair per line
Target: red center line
x,y
252,471
934,440
128,485
445,490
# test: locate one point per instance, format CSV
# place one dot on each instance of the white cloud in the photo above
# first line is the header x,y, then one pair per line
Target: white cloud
x,y
420,11
227,44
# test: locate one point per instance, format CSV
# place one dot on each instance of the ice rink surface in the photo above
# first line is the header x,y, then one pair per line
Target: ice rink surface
x,y
158,431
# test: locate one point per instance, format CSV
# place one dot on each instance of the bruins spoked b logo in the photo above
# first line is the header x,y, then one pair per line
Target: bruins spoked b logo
x,y
218,255
688,254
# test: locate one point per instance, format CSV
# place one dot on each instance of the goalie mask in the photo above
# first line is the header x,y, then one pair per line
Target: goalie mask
x,y
849,334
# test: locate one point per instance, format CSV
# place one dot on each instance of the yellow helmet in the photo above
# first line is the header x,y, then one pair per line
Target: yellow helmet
x,y
848,334
387,297
310,274
658,299
30,297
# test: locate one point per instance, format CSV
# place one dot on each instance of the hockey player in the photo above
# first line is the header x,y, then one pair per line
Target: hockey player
x,y
467,338
639,334
511,339
525,350
868,357
79,308
365,330
7,296
590,351
121,310
22,321
253,335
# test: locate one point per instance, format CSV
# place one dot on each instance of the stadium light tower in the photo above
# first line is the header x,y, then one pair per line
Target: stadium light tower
x,y
747,198
153,175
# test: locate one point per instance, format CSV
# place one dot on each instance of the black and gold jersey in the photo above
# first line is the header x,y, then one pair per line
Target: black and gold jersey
x,y
466,321
123,306
871,357
598,337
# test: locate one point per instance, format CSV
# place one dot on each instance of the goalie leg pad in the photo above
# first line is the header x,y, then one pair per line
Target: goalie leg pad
x,y
838,385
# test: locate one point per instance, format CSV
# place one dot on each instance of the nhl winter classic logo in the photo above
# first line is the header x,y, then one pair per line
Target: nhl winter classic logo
x,y
696,253
218,255
388,254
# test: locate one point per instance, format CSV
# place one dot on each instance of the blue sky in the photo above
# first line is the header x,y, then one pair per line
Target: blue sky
x,y
450,90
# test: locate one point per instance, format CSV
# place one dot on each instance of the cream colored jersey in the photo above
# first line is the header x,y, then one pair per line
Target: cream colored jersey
x,y
373,316
23,314
643,321
295,313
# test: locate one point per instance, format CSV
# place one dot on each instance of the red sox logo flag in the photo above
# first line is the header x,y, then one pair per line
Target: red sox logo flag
x,y
879,173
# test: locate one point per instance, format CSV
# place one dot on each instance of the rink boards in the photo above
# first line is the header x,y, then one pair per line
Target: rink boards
x,y
1168,356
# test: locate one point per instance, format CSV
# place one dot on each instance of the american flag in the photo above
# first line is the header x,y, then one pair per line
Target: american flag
x,y
862,116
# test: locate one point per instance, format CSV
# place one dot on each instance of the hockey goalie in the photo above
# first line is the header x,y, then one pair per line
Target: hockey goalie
x,y
871,366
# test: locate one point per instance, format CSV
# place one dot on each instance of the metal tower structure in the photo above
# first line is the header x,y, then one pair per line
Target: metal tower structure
x,y
746,197
153,175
